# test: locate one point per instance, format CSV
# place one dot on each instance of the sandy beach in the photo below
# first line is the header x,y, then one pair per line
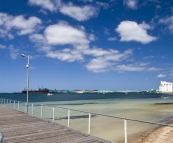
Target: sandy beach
x,y
161,135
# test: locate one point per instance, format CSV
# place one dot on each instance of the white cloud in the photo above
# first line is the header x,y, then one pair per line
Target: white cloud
x,y
161,75
132,4
67,43
79,13
112,39
2,46
25,26
131,31
98,65
168,21
18,23
62,34
14,53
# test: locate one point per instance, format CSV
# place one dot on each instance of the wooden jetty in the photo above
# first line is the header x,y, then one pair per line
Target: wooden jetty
x,y
19,127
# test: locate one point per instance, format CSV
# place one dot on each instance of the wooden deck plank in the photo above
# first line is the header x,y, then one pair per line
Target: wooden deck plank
x,y
19,127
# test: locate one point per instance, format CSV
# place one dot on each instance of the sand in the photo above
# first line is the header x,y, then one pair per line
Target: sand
x,y
161,135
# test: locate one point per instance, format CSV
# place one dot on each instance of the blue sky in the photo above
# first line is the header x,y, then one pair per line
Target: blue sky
x,y
86,44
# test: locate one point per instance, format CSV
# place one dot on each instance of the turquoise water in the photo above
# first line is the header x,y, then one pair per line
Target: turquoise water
x,y
150,107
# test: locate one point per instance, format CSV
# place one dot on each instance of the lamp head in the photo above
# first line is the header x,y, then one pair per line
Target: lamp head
x,y
23,55
27,66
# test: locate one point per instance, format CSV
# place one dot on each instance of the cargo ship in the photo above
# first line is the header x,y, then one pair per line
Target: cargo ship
x,y
39,91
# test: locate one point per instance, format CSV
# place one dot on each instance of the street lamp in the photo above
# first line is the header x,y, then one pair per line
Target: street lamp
x,y
27,66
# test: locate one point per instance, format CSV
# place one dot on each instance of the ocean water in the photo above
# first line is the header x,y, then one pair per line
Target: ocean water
x,y
150,107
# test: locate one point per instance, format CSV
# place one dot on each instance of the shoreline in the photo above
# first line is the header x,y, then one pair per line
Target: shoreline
x,y
160,134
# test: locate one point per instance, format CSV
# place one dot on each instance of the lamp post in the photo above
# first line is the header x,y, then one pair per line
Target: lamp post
x,y
27,66
1,137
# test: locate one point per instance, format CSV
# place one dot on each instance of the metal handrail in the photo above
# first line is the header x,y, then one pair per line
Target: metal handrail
x,y
117,117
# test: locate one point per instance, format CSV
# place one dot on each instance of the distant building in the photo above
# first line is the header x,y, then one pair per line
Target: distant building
x,y
166,86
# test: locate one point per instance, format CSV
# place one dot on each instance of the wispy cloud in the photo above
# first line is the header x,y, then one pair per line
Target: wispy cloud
x,y
131,31
102,4
69,55
167,21
132,4
2,46
112,39
14,53
80,13
148,57
106,31
129,67
51,5
161,75
107,61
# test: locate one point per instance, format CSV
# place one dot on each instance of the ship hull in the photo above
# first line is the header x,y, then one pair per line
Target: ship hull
x,y
36,92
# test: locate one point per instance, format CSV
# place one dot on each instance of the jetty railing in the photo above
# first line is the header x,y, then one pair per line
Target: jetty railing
x,y
58,114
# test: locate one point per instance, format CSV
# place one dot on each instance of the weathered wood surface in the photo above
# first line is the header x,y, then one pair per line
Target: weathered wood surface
x,y
19,127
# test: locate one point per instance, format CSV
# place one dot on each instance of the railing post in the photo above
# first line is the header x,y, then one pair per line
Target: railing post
x,y
41,111
25,107
10,103
4,102
14,104
89,124
7,102
68,118
53,114
125,130
18,105
32,109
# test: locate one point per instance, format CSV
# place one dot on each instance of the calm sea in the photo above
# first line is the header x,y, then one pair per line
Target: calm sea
x,y
73,97
150,107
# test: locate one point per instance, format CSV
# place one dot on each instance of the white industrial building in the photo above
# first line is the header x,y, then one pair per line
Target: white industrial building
x,y
166,86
